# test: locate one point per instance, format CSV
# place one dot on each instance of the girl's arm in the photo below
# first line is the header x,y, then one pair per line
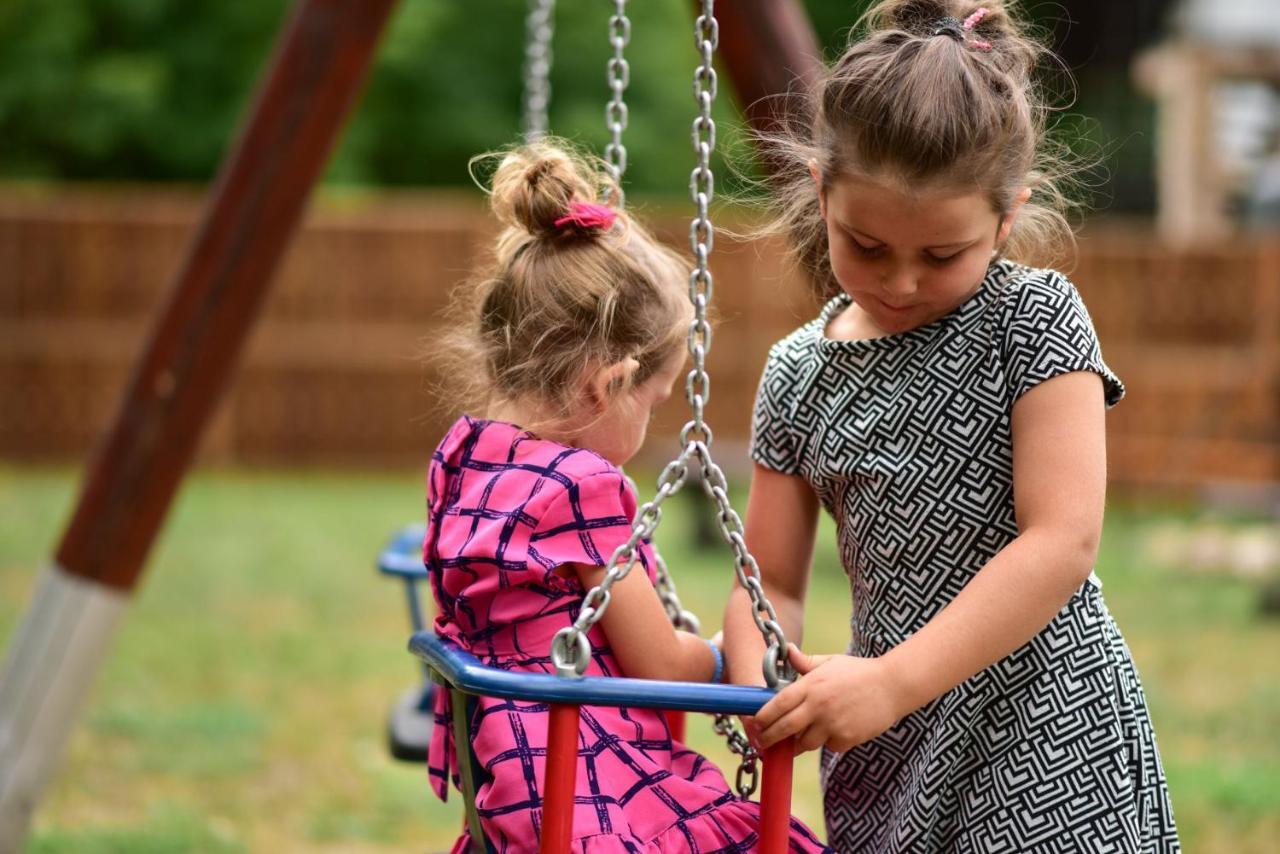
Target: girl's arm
x,y
1059,476
641,635
781,523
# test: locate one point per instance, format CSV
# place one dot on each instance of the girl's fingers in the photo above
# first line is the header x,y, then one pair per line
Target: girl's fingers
x,y
782,703
801,662
811,739
794,721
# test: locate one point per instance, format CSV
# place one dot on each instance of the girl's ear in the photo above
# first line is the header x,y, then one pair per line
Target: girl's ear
x,y
606,381
817,181
1006,221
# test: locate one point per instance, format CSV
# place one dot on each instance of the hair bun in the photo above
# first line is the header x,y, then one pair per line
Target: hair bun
x,y
533,186
995,33
921,17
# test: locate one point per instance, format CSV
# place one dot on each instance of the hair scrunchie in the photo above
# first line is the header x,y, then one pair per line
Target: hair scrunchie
x,y
588,216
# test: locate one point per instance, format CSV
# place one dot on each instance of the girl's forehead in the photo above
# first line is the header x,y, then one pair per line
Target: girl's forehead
x,y
872,205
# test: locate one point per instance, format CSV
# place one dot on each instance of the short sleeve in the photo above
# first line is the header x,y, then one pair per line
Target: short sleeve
x,y
586,523
774,442
1048,332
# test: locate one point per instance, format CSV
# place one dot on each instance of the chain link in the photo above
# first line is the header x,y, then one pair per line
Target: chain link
x,y
539,27
615,112
747,776
701,232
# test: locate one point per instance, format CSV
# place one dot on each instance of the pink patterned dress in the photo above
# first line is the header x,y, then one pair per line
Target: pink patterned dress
x,y
507,512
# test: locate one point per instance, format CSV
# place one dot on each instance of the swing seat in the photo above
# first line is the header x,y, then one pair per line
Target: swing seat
x,y
464,677
411,717
409,724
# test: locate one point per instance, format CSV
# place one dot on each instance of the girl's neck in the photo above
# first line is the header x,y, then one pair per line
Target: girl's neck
x,y
532,417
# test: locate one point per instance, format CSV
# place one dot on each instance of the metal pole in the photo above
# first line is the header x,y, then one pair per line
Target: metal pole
x,y
775,797
560,779
676,724
317,70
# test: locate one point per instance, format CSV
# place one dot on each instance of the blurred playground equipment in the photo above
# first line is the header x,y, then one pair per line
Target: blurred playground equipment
x,y
1216,81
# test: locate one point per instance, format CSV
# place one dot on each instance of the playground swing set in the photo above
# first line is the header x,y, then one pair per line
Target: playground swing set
x,y
450,668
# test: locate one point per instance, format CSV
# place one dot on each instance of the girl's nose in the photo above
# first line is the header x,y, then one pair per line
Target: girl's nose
x,y
899,282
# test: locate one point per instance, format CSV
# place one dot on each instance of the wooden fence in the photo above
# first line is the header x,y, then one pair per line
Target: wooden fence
x,y
334,373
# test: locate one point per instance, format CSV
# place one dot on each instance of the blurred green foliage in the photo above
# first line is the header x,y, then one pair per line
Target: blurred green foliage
x,y
152,90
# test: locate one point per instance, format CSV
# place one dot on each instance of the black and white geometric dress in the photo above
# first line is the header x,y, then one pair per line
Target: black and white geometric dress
x,y
906,441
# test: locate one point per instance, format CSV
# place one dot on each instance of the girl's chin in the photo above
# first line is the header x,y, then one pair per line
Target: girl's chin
x,y
893,322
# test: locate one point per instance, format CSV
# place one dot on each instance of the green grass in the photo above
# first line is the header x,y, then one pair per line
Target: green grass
x,y
242,705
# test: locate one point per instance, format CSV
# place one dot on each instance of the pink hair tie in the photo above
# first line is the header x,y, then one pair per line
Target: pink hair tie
x,y
973,21
976,18
588,216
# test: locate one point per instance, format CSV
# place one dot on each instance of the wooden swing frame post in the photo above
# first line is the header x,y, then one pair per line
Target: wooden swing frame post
x,y
316,72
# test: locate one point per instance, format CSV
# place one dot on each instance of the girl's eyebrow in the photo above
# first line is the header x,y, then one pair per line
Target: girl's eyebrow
x,y
958,244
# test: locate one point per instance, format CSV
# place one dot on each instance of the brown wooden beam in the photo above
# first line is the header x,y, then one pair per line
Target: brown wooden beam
x,y
772,56
318,69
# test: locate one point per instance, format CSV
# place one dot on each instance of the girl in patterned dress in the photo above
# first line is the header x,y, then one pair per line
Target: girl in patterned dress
x,y
572,338
946,408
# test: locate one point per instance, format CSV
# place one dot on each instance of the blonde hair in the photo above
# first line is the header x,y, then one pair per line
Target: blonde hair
x,y
553,300
919,106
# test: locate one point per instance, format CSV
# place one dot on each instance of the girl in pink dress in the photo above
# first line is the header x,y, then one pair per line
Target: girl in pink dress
x,y
572,338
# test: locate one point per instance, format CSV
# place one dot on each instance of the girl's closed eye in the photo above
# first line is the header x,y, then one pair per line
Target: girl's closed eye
x,y
869,251
941,260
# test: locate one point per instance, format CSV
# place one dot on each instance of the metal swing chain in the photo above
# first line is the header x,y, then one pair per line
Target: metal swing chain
x,y
570,648
680,617
539,27
615,112
696,434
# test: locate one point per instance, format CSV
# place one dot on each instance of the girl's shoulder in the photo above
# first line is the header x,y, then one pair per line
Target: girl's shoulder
x,y
515,453
801,344
1043,329
1019,288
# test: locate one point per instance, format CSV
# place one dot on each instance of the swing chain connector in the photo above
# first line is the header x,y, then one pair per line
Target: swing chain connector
x,y
537,68
615,112
570,652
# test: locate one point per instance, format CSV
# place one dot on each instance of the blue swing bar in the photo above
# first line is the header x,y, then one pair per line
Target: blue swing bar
x,y
463,671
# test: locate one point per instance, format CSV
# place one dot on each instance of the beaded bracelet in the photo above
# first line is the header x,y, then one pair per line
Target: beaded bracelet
x,y
719,657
